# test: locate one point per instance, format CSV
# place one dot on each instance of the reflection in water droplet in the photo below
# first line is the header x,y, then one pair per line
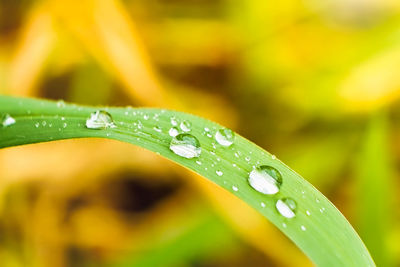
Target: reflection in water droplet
x,y
219,173
186,126
99,120
225,137
286,207
173,131
185,145
265,179
7,120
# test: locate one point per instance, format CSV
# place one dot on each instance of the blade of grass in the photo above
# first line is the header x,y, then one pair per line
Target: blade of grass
x,y
318,228
374,185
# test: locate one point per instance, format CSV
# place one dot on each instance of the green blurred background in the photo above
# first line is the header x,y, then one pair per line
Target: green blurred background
x,y
315,82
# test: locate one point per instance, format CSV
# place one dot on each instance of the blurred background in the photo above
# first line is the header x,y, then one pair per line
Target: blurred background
x,y
316,83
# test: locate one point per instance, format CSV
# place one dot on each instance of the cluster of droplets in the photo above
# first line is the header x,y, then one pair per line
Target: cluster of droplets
x,y
264,179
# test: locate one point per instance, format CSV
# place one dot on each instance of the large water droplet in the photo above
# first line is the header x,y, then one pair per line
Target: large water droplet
x,y
186,126
286,207
7,120
100,120
185,145
265,179
225,137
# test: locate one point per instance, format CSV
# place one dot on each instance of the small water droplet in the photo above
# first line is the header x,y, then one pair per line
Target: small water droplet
x,y
100,120
198,162
225,137
63,118
273,157
174,122
219,173
303,228
157,129
247,158
146,117
37,125
234,188
284,225
209,135
173,131
234,164
206,129
65,125
308,212
7,120
186,126
185,145
265,179
263,204
237,154
44,123
60,103
286,207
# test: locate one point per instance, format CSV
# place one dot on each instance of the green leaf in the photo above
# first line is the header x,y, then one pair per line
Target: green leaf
x,y
318,228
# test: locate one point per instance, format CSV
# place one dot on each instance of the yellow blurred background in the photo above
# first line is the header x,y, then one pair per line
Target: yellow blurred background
x,y
315,82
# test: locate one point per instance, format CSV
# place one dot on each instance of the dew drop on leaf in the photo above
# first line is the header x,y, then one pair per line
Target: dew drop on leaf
x,y
186,126
173,131
7,120
265,179
225,137
185,145
219,173
100,119
286,207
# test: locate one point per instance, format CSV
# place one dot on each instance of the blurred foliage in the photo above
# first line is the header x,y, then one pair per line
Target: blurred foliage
x,y
305,79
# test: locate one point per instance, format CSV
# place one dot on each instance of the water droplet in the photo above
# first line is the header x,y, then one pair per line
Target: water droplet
x,y
265,179
225,137
44,123
198,162
157,129
37,125
60,103
263,204
247,158
174,122
185,145
65,125
173,131
186,126
284,225
100,120
286,207
308,212
303,228
219,173
63,118
234,188
7,120
206,129
237,154
209,135
146,117
273,157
